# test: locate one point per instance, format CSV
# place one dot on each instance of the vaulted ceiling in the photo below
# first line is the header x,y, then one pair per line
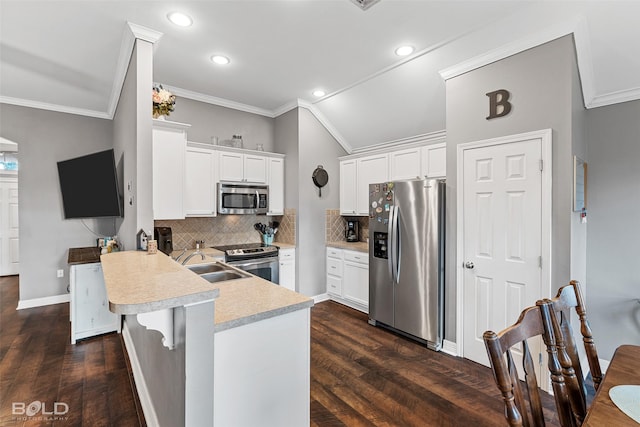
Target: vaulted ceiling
x,y
70,56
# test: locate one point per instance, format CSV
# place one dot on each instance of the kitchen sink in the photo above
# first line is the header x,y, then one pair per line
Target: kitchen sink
x,y
221,276
216,272
207,268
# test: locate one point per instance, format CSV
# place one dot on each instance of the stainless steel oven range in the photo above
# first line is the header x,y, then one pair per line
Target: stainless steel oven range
x,y
255,258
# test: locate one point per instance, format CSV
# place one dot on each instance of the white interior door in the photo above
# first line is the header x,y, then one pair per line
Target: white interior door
x,y
9,243
504,219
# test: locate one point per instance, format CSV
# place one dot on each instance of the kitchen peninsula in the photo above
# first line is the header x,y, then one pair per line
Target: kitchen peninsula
x,y
234,352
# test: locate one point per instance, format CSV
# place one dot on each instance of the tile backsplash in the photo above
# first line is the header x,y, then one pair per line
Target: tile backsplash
x,y
336,224
228,229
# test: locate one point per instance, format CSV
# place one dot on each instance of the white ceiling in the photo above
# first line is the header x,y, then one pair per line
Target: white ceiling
x,y
70,55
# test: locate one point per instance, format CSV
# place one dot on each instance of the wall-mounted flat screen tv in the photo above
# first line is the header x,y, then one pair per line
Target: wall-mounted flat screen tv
x,y
89,186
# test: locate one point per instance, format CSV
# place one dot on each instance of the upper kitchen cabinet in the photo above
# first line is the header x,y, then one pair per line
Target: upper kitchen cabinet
x,y
235,166
275,171
371,169
168,154
434,161
405,164
200,180
355,177
358,171
348,180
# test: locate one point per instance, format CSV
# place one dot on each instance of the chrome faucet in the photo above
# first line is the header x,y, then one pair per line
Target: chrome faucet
x,y
197,252
184,251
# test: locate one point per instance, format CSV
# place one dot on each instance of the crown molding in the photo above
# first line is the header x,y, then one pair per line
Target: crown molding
x,y
615,98
144,33
54,107
543,36
196,96
327,124
579,29
287,107
402,143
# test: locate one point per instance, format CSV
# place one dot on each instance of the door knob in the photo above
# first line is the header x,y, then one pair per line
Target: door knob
x,y
468,264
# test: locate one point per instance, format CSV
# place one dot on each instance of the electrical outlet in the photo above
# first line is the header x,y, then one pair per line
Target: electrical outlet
x,y
60,273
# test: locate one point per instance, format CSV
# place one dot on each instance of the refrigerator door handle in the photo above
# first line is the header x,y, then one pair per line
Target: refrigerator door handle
x,y
398,251
390,240
393,243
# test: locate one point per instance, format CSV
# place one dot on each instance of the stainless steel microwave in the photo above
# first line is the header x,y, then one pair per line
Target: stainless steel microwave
x,y
242,199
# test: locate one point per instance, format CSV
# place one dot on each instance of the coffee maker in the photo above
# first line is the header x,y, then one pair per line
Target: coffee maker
x,y
351,233
164,237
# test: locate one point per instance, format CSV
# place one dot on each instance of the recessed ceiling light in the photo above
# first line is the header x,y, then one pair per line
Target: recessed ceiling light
x,y
404,50
180,19
319,93
220,60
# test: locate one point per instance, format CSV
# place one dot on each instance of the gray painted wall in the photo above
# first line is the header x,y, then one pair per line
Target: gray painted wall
x,y
124,146
208,120
316,147
44,138
308,144
541,84
613,205
286,142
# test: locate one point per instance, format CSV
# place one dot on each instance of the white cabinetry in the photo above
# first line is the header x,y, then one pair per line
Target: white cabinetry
x,y
348,277
287,260
356,173
168,153
355,277
355,177
371,169
434,161
348,185
200,181
334,272
89,310
275,168
240,167
405,164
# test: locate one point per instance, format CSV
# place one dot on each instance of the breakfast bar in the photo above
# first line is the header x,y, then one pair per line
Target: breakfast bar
x,y
228,348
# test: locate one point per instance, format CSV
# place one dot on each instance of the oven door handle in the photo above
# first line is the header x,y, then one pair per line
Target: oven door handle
x,y
255,261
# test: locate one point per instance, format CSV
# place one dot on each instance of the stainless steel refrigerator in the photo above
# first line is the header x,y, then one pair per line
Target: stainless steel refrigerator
x,y
406,258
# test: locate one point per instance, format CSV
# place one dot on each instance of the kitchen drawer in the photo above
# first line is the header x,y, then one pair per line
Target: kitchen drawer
x,y
359,257
334,285
334,253
285,254
334,267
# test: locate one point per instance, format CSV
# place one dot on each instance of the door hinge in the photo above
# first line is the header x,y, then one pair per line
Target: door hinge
x,y
540,262
541,165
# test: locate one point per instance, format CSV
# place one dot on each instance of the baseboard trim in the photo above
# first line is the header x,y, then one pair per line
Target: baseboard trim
x,y
143,393
321,298
40,302
449,347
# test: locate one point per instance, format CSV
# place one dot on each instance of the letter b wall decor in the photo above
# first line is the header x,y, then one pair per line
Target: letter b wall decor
x,y
499,105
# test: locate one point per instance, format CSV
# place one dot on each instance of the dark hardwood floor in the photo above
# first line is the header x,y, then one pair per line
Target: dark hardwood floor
x,y
38,364
360,375
366,376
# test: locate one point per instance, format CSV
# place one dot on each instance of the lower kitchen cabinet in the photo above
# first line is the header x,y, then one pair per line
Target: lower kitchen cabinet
x,y
355,277
287,273
348,277
89,311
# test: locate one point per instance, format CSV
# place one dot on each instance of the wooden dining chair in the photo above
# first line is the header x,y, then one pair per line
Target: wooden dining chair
x,y
556,317
520,409
570,297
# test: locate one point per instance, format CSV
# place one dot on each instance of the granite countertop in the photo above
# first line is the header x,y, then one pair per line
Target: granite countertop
x,y
138,282
353,246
